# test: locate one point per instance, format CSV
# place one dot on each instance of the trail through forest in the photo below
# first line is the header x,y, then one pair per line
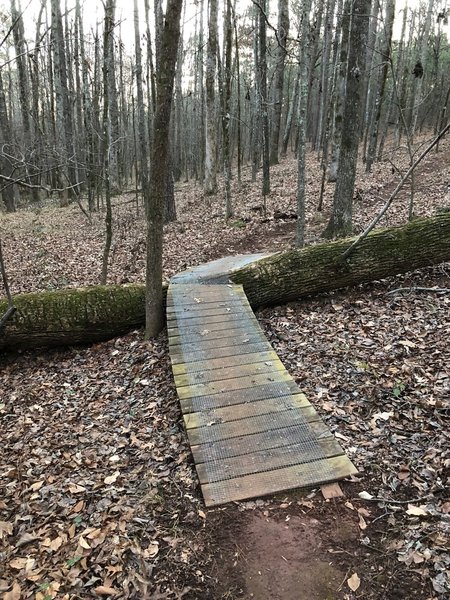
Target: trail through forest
x,y
100,497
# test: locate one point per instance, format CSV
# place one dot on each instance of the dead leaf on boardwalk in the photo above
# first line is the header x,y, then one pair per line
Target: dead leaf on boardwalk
x,y
354,582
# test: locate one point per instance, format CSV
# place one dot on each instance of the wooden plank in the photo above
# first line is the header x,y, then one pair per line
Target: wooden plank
x,y
270,482
224,325
229,319
268,460
223,362
207,315
210,344
193,310
331,490
186,359
251,425
247,444
237,412
243,332
201,319
245,370
222,387
232,397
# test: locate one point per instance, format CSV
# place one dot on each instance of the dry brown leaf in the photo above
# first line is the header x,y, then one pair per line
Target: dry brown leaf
x,y
416,511
6,528
112,478
103,590
14,594
354,582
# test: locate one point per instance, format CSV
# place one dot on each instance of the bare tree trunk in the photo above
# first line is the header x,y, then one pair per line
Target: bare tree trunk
x,y
170,34
140,110
340,93
340,223
264,111
226,107
304,61
6,167
293,107
280,57
24,91
110,7
385,56
210,138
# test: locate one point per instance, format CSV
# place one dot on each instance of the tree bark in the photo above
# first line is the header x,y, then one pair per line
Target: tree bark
x,y
340,223
280,54
160,153
284,277
210,138
82,316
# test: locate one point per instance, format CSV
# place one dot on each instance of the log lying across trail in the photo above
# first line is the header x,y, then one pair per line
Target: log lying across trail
x,y
82,316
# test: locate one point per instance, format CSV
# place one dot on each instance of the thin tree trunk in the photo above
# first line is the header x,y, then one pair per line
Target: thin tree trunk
x,y
264,110
304,61
385,56
280,57
340,223
170,34
340,93
210,137
110,7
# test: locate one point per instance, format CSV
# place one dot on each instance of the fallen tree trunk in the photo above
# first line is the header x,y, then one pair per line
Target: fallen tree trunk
x,y
73,316
79,316
288,276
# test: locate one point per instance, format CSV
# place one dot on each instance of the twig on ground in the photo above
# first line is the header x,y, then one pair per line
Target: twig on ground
x,y
419,289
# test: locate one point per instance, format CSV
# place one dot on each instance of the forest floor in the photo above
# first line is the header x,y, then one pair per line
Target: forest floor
x,y
99,496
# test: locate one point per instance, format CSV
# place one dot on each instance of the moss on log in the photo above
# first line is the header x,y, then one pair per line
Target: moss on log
x,y
291,275
73,316
82,316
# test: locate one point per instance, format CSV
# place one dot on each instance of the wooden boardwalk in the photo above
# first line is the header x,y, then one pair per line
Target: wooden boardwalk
x,y
252,432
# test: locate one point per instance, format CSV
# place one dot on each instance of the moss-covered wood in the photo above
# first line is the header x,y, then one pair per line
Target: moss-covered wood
x,y
73,316
290,275
80,316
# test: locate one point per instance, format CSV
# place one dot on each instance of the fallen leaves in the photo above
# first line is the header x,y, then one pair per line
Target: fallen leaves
x,y
354,582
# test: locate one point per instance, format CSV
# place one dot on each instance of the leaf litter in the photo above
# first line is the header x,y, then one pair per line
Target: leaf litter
x,y
99,494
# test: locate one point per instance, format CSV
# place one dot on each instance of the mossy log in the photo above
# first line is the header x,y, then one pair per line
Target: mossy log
x,y
288,276
73,316
82,316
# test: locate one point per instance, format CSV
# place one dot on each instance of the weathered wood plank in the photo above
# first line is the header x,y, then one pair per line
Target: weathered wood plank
x,y
223,322
189,358
275,389
215,375
268,460
237,412
247,444
223,362
239,383
270,482
209,344
244,332
254,424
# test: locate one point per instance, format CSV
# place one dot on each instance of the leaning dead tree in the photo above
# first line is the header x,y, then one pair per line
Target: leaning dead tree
x,y
80,316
